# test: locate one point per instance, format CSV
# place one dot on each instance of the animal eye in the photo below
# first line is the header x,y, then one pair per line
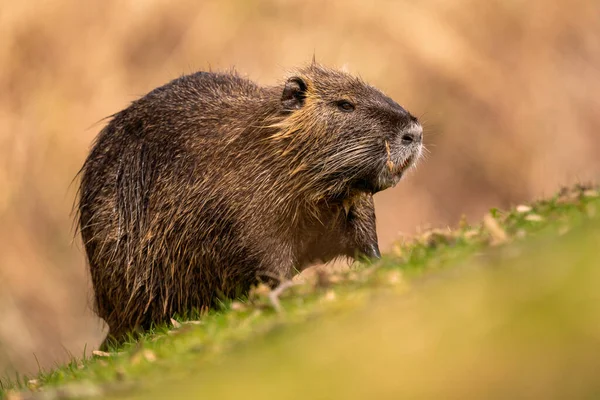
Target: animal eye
x,y
345,106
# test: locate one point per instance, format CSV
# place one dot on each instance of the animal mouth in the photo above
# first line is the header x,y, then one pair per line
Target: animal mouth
x,y
394,173
399,169
389,177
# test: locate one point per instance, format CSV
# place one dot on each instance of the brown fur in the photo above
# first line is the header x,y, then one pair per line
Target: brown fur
x,y
210,183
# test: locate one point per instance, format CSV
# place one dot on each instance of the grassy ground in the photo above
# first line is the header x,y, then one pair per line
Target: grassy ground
x,y
506,309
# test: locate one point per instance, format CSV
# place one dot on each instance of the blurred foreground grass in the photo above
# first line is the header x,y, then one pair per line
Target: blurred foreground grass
x,y
506,309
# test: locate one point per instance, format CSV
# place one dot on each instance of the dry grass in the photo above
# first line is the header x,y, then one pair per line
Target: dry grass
x,y
508,91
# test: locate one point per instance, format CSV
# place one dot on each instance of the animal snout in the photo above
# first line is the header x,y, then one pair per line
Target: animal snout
x,y
414,134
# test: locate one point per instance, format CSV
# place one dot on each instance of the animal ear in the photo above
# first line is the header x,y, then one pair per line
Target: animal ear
x,y
294,94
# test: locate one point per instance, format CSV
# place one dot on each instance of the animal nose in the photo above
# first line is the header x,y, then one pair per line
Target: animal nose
x,y
413,134
408,138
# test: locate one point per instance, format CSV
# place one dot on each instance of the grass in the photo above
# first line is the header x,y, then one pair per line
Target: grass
x,y
506,308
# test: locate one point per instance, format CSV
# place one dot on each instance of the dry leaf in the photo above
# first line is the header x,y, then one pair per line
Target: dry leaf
x,y
495,230
352,276
144,354
175,324
192,323
330,295
590,193
260,291
13,395
534,218
149,355
436,236
397,250
99,353
471,233
33,383
394,277
523,208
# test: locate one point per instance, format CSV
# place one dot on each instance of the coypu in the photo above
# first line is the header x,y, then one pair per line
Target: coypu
x,y
211,183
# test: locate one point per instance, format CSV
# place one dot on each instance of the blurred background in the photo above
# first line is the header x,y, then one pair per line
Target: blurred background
x,y
508,92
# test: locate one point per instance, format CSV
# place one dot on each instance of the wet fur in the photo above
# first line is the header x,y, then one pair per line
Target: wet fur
x,y
210,183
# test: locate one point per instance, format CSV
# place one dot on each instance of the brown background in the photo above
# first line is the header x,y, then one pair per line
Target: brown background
x,y
508,92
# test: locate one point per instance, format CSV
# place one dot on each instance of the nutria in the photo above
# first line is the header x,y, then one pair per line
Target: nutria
x,y
211,183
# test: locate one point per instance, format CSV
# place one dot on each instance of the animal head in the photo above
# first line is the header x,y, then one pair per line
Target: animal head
x,y
344,134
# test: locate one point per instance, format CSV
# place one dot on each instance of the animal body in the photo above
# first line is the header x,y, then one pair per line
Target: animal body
x,y
212,183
